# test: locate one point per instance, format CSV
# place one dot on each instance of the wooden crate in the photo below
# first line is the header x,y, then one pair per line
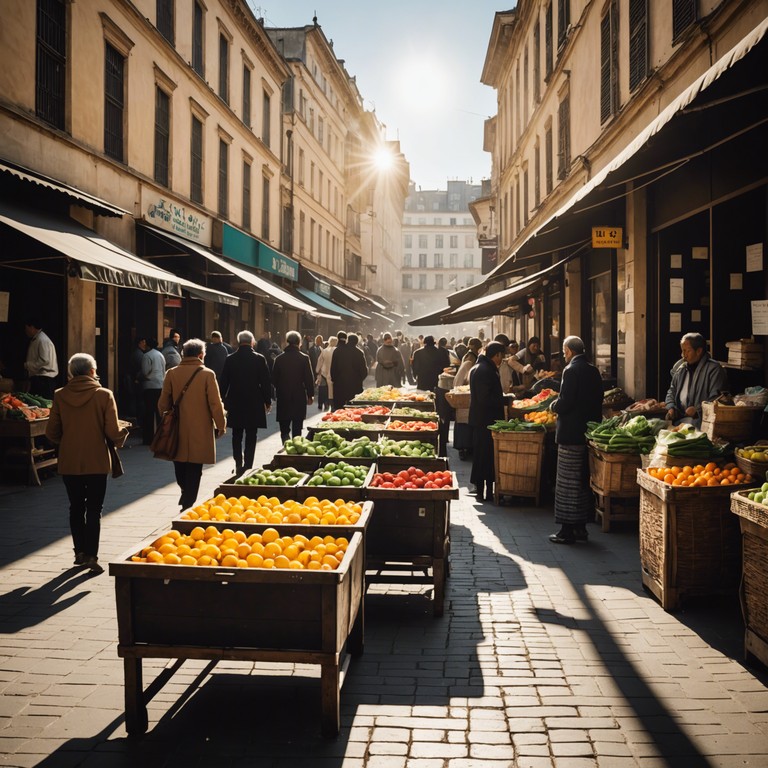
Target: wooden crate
x,y
396,463
428,436
346,492
517,460
614,474
616,509
735,423
745,353
753,521
230,488
689,541
310,462
312,617
372,431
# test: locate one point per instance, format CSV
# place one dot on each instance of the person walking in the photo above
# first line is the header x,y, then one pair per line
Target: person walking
x,y
294,387
428,363
389,363
137,388
171,347
216,353
201,418
323,370
41,364
580,400
246,388
348,371
405,353
486,405
463,440
152,377
314,350
83,419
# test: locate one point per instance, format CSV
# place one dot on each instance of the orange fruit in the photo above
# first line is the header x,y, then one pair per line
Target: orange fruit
x,y
229,561
268,535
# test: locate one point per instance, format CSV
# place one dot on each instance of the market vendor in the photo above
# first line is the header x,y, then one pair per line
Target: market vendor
x,y
695,377
523,361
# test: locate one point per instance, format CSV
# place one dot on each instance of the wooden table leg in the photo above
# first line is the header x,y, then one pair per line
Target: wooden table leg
x,y
135,706
438,575
606,516
329,693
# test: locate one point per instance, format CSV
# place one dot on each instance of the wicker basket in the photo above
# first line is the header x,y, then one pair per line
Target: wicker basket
x,y
736,423
613,474
517,458
458,399
689,541
757,469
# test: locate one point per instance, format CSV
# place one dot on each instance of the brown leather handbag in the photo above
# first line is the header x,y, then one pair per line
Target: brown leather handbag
x,y
165,443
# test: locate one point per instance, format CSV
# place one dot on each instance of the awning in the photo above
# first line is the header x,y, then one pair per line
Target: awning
x,y
95,204
100,260
346,292
435,318
734,104
263,287
322,303
383,316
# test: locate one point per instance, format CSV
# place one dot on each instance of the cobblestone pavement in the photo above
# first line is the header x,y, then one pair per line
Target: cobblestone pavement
x,y
547,656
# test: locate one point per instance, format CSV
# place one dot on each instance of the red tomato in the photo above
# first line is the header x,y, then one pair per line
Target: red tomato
x,y
403,474
387,485
399,482
419,472
388,476
419,482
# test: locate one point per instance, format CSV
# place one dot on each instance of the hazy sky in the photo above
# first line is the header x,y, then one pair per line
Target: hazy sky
x,y
419,64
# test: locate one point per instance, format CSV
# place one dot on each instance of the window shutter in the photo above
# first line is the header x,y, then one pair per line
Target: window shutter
x,y
683,15
638,42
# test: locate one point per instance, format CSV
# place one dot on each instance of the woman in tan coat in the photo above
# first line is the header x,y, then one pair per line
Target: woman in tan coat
x,y
83,417
201,418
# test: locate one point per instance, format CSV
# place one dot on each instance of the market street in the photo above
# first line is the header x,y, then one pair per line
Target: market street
x,y
546,656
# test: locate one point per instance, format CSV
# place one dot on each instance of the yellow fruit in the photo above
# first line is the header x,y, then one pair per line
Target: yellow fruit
x,y
171,559
268,535
154,557
197,533
254,560
229,561
281,561
188,560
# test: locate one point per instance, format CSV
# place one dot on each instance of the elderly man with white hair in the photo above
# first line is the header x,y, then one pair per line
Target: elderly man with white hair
x,y
580,401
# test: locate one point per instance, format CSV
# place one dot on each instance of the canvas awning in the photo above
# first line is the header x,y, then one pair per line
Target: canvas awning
x,y
96,259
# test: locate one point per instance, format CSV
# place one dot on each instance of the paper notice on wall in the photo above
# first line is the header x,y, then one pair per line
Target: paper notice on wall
x,y
700,252
676,261
629,300
736,281
755,257
676,290
760,318
5,300
675,322
695,315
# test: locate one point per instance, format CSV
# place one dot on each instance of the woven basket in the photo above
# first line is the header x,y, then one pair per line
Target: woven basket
x,y
689,542
517,461
757,469
736,423
458,399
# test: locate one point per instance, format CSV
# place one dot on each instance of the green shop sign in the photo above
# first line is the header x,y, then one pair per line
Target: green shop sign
x,y
247,250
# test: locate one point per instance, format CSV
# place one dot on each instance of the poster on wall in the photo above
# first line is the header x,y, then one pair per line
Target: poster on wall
x,y
675,322
755,257
676,290
736,281
676,261
700,252
760,318
5,300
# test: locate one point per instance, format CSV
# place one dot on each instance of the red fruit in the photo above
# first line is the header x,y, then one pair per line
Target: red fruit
x,y
403,473
388,485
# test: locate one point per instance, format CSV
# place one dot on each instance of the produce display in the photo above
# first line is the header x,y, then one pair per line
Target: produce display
x,y
22,406
638,435
515,425
346,424
355,414
329,443
700,475
378,393
645,405
760,495
462,389
412,478
339,473
541,417
281,476
405,410
537,402
417,397
414,448
233,549
758,453
272,511
616,398
413,426
689,442
545,374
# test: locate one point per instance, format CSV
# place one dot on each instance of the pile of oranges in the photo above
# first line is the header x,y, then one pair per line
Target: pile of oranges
x,y
233,549
541,417
272,511
701,475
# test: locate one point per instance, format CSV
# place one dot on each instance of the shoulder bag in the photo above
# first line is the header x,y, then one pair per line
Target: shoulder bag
x,y
165,443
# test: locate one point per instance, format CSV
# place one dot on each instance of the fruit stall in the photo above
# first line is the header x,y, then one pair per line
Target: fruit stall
x,y
315,616
518,455
752,511
23,420
689,540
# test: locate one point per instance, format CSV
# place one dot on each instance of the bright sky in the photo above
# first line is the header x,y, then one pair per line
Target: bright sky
x,y
418,63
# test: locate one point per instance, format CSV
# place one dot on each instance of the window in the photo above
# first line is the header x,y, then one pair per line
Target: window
x,y
536,61
422,260
165,19
439,282
198,61
162,135
224,68
683,16
312,178
525,87
422,282
223,179
602,315
423,241
302,232
246,195
469,241
638,42
517,204
525,195
320,186
407,260
469,261
408,281
548,159
114,102
320,130
563,21
301,167
438,261
438,241
470,280
265,207
564,137
196,161
266,119
407,241
453,260
452,221
453,241
548,56
537,174
247,95
51,54
609,64
437,221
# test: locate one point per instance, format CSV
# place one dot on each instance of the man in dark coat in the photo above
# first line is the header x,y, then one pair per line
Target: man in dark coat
x,y
428,363
580,401
294,386
486,405
348,371
246,389
216,352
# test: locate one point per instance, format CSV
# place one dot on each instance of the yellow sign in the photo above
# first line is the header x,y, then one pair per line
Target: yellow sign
x,y
607,237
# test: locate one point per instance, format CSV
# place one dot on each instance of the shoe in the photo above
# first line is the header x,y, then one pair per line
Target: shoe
x,y
561,538
93,565
581,534
79,558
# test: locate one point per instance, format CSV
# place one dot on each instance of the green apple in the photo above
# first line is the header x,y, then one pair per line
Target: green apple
x,y
759,497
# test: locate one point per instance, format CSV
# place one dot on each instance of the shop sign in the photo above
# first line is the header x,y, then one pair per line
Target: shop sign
x,y
248,250
175,218
323,288
172,303
607,237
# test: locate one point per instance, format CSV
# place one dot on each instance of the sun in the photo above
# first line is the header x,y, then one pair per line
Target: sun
x,y
383,159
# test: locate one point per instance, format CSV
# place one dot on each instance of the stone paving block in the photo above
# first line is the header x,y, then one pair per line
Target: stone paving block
x,y
433,749
534,761
573,749
426,734
387,748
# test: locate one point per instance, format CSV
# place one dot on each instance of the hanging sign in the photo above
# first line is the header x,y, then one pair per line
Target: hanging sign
x,y
607,237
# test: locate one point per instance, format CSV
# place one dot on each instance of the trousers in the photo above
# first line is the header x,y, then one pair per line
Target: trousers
x,y
188,477
291,428
243,458
86,500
